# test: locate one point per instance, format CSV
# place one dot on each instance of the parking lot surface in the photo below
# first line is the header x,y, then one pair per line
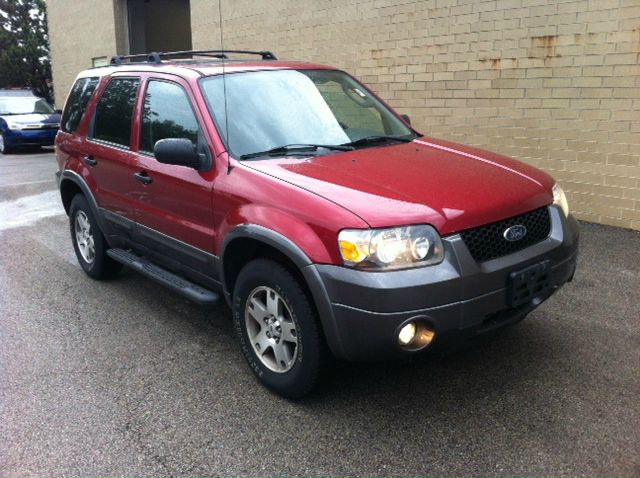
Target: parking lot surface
x,y
125,378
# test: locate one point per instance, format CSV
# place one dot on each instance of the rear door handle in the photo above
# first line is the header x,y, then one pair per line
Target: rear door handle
x,y
89,160
143,177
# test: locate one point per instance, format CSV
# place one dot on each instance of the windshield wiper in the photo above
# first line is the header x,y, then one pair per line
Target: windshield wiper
x,y
377,139
297,148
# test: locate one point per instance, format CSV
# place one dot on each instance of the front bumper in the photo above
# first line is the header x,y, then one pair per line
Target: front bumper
x,y
30,137
459,298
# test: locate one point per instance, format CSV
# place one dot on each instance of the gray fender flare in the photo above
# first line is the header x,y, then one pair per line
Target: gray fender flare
x,y
303,263
68,175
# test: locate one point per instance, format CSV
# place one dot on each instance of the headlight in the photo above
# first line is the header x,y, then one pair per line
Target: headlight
x,y
12,125
393,248
559,199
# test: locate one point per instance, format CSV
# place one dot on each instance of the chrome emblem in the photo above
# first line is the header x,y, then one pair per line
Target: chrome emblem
x,y
515,233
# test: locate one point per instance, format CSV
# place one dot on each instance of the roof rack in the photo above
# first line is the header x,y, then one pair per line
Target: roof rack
x,y
158,57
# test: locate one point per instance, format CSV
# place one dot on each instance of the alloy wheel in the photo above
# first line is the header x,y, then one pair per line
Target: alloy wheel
x,y
271,329
84,237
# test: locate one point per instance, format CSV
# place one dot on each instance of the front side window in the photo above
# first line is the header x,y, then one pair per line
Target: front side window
x,y
269,109
112,122
167,113
17,105
77,103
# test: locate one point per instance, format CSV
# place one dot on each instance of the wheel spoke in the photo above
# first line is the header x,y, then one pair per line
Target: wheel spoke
x,y
262,342
273,303
257,310
289,332
281,354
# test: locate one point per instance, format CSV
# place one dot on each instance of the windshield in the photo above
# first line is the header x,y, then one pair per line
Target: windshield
x,y
271,109
24,106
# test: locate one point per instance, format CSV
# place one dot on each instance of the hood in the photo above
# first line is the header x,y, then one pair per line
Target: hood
x,y
33,118
449,186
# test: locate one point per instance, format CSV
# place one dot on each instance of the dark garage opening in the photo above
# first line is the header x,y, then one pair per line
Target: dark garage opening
x,y
159,25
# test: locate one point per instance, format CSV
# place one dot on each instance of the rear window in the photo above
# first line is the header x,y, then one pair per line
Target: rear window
x,y
77,103
112,121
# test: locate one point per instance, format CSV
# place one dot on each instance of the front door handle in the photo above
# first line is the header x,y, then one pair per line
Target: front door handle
x,y
143,177
89,160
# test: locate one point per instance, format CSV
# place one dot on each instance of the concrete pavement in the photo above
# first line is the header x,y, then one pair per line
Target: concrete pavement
x,y
124,378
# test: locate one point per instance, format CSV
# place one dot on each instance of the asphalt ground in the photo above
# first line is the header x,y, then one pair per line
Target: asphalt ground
x,y
125,378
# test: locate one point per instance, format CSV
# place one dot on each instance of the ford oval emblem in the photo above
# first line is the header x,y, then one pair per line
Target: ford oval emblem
x,y
515,233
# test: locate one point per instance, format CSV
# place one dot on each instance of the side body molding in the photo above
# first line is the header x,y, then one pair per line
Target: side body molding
x,y
304,264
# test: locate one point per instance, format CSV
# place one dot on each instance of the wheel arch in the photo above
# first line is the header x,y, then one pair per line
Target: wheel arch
x,y
71,183
247,242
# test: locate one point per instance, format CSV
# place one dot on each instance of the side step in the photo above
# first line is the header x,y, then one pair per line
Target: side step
x,y
178,284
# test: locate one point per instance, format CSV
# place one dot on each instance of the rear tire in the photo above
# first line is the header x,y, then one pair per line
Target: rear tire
x,y
89,242
278,329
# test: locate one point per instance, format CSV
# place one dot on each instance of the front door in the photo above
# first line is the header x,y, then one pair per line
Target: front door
x,y
173,204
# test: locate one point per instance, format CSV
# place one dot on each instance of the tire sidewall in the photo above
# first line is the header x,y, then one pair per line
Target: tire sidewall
x,y
296,381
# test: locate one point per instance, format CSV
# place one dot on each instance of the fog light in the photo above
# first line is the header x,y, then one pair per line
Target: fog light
x,y
416,335
407,333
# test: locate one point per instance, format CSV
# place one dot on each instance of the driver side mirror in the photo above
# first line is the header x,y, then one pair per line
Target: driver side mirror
x,y
406,118
178,151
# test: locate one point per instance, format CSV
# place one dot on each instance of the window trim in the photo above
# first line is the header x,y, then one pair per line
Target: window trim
x,y
143,96
92,124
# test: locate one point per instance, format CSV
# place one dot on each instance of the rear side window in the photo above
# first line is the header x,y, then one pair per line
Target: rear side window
x,y
112,121
77,103
167,114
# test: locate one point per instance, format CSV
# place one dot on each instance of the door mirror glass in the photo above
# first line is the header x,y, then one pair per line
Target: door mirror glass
x,y
178,151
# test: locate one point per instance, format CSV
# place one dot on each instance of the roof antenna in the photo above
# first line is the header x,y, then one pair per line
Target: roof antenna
x,y
224,89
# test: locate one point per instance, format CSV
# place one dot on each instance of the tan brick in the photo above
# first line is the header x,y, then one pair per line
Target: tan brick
x,y
554,83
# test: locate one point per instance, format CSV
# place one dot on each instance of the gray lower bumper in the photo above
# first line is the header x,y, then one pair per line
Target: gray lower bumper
x,y
460,298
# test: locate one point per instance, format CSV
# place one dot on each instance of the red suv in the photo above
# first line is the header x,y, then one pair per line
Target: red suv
x,y
327,223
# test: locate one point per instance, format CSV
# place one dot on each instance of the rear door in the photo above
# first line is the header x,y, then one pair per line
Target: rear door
x,y
69,140
173,204
107,151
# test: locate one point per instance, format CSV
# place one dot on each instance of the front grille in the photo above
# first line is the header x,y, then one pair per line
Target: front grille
x,y
487,242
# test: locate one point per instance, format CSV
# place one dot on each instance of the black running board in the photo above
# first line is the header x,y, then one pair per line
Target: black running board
x,y
174,282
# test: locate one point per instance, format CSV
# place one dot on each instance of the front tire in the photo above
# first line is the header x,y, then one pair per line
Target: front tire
x,y
89,242
278,329
4,148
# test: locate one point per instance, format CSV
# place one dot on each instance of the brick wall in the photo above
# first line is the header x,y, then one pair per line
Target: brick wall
x,y
78,32
553,83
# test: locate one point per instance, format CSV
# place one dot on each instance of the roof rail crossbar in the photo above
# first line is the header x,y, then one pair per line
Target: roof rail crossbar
x,y
158,57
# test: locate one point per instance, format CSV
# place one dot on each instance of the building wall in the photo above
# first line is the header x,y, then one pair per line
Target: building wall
x,y
550,82
78,32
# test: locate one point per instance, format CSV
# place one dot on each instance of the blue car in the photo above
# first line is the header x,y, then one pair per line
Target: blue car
x,y
26,121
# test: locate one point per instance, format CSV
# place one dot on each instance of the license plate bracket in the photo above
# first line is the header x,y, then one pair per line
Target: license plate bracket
x,y
527,284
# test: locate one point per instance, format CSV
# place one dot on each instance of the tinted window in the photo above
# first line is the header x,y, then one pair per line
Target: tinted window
x,y
77,103
115,110
167,114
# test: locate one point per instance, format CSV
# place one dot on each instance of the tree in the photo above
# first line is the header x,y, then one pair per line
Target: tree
x,y
24,46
